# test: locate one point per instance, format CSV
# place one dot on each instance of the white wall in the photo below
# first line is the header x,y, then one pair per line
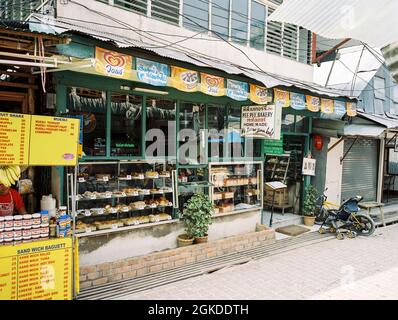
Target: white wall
x,y
219,49
334,172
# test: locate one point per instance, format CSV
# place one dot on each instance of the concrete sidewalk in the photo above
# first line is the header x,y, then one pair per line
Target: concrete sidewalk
x,y
361,268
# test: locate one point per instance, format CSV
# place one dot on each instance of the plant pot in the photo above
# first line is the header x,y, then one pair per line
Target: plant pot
x,y
309,221
183,240
261,227
201,239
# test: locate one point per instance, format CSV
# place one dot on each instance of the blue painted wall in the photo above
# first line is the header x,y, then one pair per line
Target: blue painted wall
x,y
372,105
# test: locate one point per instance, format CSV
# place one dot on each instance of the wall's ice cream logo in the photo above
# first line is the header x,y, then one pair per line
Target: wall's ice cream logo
x,y
212,85
112,63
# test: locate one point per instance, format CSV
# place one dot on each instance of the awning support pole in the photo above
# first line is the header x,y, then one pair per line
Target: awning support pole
x,y
392,139
335,145
343,157
325,54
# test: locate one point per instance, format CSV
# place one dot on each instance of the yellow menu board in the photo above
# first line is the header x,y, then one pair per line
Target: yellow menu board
x,y
53,141
40,270
14,138
38,140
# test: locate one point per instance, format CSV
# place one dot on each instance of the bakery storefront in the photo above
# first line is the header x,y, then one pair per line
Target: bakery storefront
x,y
156,131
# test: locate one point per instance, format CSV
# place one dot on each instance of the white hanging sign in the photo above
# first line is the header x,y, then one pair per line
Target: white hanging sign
x,y
309,165
261,121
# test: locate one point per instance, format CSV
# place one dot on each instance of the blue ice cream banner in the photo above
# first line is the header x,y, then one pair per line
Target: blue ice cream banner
x,y
237,90
151,72
297,101
338,113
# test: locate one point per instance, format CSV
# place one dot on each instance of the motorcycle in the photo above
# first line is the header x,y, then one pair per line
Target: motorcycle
x,y
347,220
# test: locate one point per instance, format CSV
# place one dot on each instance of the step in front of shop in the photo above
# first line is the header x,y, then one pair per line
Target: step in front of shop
x,y
118,289
133,267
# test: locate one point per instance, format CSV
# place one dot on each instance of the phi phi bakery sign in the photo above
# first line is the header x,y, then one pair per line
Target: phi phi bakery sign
x,y
261,121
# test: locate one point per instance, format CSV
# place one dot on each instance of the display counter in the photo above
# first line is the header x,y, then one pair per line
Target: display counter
x,y
132,208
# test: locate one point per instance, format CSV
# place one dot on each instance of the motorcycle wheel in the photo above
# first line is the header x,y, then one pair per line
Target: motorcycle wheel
x,y
366,225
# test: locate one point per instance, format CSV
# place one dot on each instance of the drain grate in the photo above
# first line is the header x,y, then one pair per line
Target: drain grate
x,y
125,287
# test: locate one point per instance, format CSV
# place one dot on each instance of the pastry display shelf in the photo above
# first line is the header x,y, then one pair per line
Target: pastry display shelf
x,y
195,184
251,173
123,197
94,180
126,228
236,185
80,216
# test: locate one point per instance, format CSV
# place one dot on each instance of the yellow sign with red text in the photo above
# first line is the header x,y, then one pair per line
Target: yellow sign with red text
x,y
40,270
38,140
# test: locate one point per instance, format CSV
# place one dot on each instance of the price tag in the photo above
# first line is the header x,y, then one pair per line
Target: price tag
x,y
82,180
114,226
88,230
128,177
136,223
105,179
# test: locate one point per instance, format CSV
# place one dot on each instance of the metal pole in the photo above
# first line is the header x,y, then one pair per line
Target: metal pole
x,y
272,208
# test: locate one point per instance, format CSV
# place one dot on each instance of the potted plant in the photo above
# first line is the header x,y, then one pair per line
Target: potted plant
x,y
309,206
197,217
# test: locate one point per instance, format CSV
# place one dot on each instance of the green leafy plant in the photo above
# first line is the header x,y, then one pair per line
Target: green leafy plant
x,y
310,198
197,215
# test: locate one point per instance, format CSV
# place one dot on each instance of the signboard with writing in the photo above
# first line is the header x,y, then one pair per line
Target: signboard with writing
x,y
38,140
14,138
39,270
53,141
262,122
237,90
309,167
152,72
297,101
113,64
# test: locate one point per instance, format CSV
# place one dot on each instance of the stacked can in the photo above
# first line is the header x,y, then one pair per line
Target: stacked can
x,y
24,228
64,226
44,226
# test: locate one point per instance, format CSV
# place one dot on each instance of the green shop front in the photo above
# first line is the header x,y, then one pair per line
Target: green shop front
x,y
138,167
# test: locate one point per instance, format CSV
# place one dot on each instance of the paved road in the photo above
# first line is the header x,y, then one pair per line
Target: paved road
x,y
361,268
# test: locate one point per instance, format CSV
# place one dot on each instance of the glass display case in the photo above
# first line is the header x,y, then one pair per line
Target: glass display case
x,y
191,180
236,186
123,194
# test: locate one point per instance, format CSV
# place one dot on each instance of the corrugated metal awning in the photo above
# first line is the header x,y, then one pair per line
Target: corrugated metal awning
x,y
267,79
370,21
389,123
360,130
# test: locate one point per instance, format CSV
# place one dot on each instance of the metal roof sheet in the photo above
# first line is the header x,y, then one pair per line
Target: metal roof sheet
x,y
267,79
361,130
366,20
341,78
389,123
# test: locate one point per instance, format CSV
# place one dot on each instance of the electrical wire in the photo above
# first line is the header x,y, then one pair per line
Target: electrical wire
x,y
200,54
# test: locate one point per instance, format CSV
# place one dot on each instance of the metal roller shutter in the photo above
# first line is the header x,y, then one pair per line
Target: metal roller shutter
x,y
360,169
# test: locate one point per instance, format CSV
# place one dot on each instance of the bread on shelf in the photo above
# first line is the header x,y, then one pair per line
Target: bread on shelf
x,y
151,174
